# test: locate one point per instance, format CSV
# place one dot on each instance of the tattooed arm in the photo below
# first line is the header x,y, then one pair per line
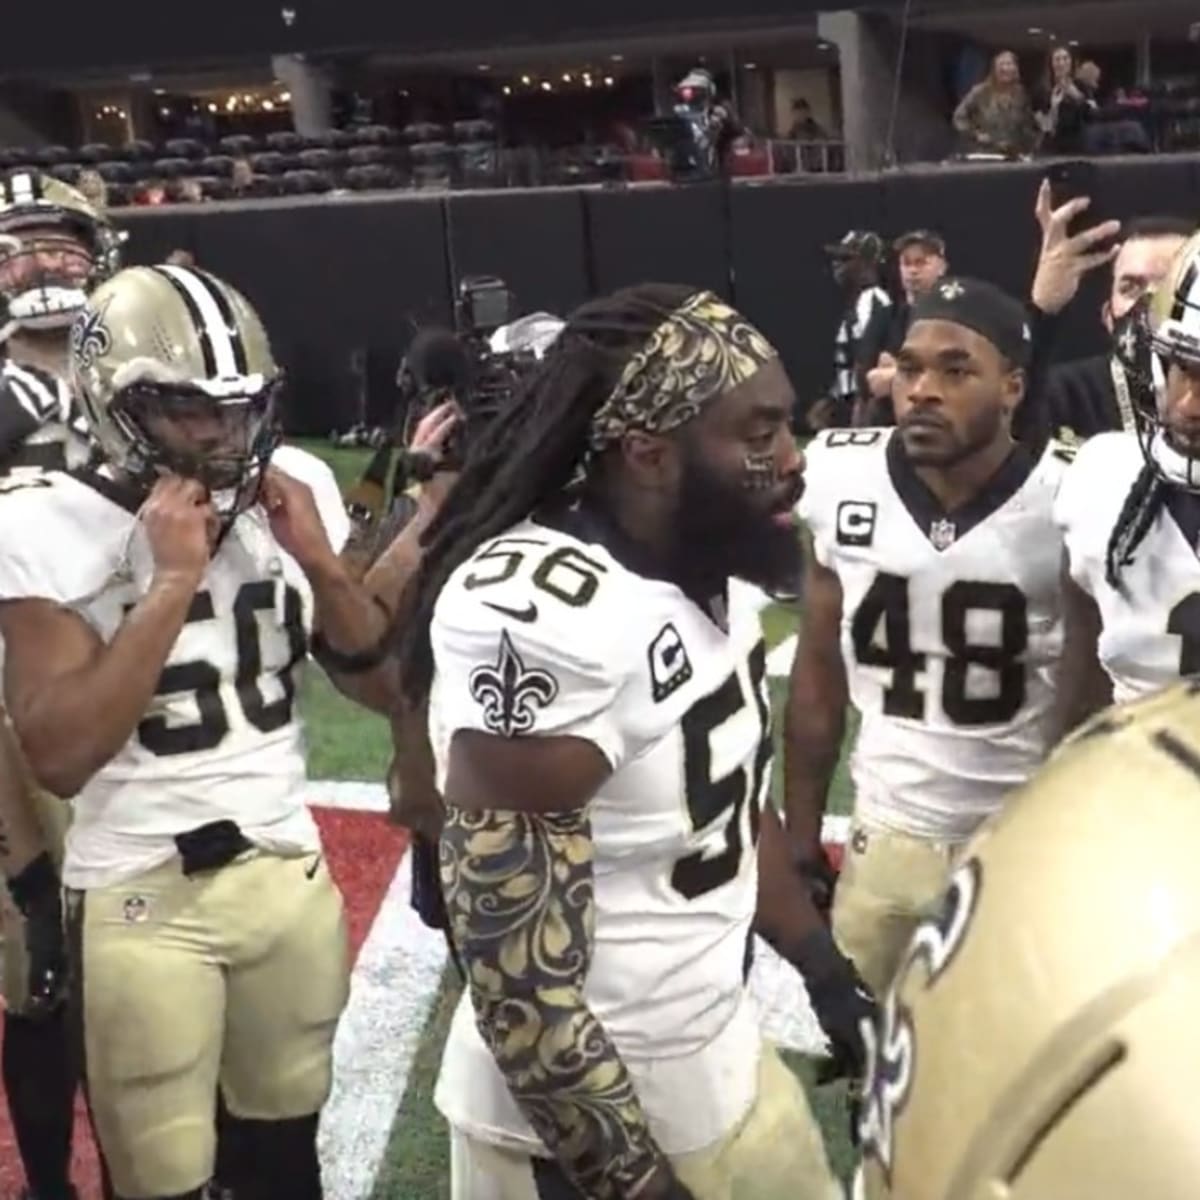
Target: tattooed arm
x,y
516,867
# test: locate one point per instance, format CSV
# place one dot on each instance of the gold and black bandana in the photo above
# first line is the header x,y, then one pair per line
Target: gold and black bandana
x,y
701,351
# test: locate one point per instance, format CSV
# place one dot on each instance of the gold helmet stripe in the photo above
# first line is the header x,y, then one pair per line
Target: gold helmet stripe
x,y
220,340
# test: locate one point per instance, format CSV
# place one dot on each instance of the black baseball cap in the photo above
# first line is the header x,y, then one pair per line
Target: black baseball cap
x,y
983,308
933,242
858,243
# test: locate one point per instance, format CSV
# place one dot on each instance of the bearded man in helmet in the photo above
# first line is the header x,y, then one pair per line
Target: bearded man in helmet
x,y
157,607
1129,509
1042,1024
54,248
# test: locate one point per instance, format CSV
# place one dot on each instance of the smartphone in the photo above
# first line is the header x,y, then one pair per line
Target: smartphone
x,y
1069,180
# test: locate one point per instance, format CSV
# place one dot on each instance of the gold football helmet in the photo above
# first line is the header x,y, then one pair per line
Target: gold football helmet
x,y
54,248
175,375
1040,1040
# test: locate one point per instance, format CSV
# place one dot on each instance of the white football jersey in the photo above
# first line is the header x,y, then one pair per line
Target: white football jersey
x,y
552,632
1150,630
222,738
951,627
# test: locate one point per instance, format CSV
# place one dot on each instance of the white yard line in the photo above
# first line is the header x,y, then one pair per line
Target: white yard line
x,y
395,980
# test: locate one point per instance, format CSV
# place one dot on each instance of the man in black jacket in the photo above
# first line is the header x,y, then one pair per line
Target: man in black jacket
x,y
1091,395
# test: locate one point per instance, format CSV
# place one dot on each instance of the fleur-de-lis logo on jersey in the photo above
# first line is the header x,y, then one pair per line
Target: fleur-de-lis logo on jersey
x,y
952,290
509,692
90,338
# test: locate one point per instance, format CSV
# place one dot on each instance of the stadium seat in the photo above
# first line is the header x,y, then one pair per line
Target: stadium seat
x,y
364,179
140,151
220,165
749,160
94,152
319,159
422,131
10,156
474,131
478,164
285,143
269,162
306,183
373,135
646,168
50,156
172,168
239,145
115,172
67,172
184,148
369,156
329,139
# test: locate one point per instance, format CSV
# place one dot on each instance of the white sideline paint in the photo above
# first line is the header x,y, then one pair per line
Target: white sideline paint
x,y
393,987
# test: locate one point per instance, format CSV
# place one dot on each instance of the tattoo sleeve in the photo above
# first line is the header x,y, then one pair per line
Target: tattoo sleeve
x,y
519,892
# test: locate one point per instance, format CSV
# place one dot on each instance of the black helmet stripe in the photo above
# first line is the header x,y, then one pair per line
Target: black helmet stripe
x,y
220,339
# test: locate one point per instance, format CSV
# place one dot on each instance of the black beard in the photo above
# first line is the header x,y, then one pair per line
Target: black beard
x,y
725,530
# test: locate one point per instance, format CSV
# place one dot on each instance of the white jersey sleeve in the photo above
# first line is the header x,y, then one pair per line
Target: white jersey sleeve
x,y
512,663
826,508
45,555
309,469
1150,624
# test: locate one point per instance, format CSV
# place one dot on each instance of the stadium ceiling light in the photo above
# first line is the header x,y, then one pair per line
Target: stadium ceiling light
x,y
750,66
566,77
507,90
617,57
1035,30
526,80
608,81
268,106
212,108
285,97
547,86
485,66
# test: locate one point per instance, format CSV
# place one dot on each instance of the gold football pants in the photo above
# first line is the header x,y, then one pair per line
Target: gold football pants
x,y
889,883
234,977
775,1153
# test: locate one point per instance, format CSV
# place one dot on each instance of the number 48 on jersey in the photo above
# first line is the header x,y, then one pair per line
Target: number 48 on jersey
x,y
983,683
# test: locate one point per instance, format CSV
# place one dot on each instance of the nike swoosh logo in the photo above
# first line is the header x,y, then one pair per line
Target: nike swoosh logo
x,y
312,871
528,614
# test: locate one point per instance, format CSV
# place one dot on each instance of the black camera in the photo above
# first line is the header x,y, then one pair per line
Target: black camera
x,y
461,367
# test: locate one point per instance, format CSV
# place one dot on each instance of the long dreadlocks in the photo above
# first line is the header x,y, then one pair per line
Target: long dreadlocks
x,y
1145,501
525,458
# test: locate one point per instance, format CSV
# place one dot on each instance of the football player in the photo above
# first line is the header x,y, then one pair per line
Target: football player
x,y
156,610
54,247
932,605
1130,514
1031,1049
601,724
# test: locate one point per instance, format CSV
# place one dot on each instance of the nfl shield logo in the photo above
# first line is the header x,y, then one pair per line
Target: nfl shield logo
x,y
942,534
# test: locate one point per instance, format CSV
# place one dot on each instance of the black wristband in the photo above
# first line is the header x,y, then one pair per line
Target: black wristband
x,y
37,882
362,661
349,664
817,957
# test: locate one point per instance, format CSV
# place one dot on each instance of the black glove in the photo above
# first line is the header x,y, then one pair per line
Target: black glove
x,y
841,1001
36,891
820,878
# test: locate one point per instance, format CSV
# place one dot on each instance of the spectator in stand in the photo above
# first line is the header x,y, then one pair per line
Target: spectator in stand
x,y
1108,134
921,259
805,128
181,258
92,186
1061,108
996,116
242,182
151,194
188,191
